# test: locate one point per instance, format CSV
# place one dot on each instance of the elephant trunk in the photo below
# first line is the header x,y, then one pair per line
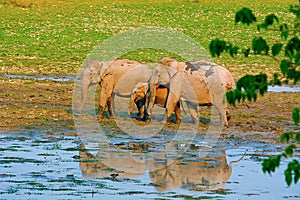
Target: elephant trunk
x,y
131,103
85,83
152,90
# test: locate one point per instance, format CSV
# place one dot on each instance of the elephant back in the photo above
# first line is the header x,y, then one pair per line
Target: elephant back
x,y
126,74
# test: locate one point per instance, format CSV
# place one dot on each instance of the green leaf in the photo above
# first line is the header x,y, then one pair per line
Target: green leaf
x,y
259,45
288,177
285,137
292,47
246,52
276,48
245,16
284,66
284,34
297,57
296,177
231,97
284,31
276,80
296,116
297,137
270,164
295,9
266,166
233,51
289,151
216,47
269,20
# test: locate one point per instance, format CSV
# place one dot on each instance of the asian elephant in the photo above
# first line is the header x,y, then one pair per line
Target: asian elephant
x,y
115,78
198,83
140,96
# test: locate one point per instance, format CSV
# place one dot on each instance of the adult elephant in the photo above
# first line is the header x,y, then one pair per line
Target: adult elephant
x,y
198,83
140,96
115,78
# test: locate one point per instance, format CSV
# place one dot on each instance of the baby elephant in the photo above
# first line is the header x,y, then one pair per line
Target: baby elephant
x,y
140,96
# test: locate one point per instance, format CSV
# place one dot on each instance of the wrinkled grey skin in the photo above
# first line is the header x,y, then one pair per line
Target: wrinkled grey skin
x,y
115,78
197,83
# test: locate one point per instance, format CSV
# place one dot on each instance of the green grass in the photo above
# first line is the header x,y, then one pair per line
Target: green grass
x,y
54,37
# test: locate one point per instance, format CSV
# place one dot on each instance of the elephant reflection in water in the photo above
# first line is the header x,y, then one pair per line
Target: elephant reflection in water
x,y
209,172
188,172
123,164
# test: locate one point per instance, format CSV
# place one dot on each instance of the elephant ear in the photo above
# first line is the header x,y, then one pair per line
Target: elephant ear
x,y
173,69
92,70
105,70
171,64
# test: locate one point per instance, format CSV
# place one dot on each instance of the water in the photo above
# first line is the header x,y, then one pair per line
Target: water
x,y
284,88
68,78
55,78
39,165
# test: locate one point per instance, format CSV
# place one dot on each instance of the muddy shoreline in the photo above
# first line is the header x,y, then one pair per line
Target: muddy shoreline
x,y
42,104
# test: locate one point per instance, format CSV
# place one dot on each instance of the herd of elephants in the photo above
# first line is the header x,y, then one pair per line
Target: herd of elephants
x,y
198,83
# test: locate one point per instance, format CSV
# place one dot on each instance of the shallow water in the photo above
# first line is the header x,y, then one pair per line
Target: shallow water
x,y
40,165
284,88
69,78
55,78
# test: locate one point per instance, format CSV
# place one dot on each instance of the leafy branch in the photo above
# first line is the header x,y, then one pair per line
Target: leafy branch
x,y
249,86
293,170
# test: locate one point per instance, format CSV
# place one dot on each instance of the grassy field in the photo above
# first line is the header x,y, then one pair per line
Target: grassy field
x,y
54,37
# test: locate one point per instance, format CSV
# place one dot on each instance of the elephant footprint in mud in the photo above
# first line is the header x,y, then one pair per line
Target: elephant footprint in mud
x,y
115,78
140,96
197,83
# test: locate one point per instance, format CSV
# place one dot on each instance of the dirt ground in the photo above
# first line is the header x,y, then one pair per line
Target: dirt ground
x,y
30,104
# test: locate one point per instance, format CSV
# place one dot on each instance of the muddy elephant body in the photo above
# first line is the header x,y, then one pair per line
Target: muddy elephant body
x,y
115,78
198,83
140,96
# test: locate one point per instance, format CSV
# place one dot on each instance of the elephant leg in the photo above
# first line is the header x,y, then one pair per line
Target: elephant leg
x,y
142,112
81,105
141,108
228,116
110,107
106,99
151,94
100,110
222,113
223,117
192,107
177,113
170,107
